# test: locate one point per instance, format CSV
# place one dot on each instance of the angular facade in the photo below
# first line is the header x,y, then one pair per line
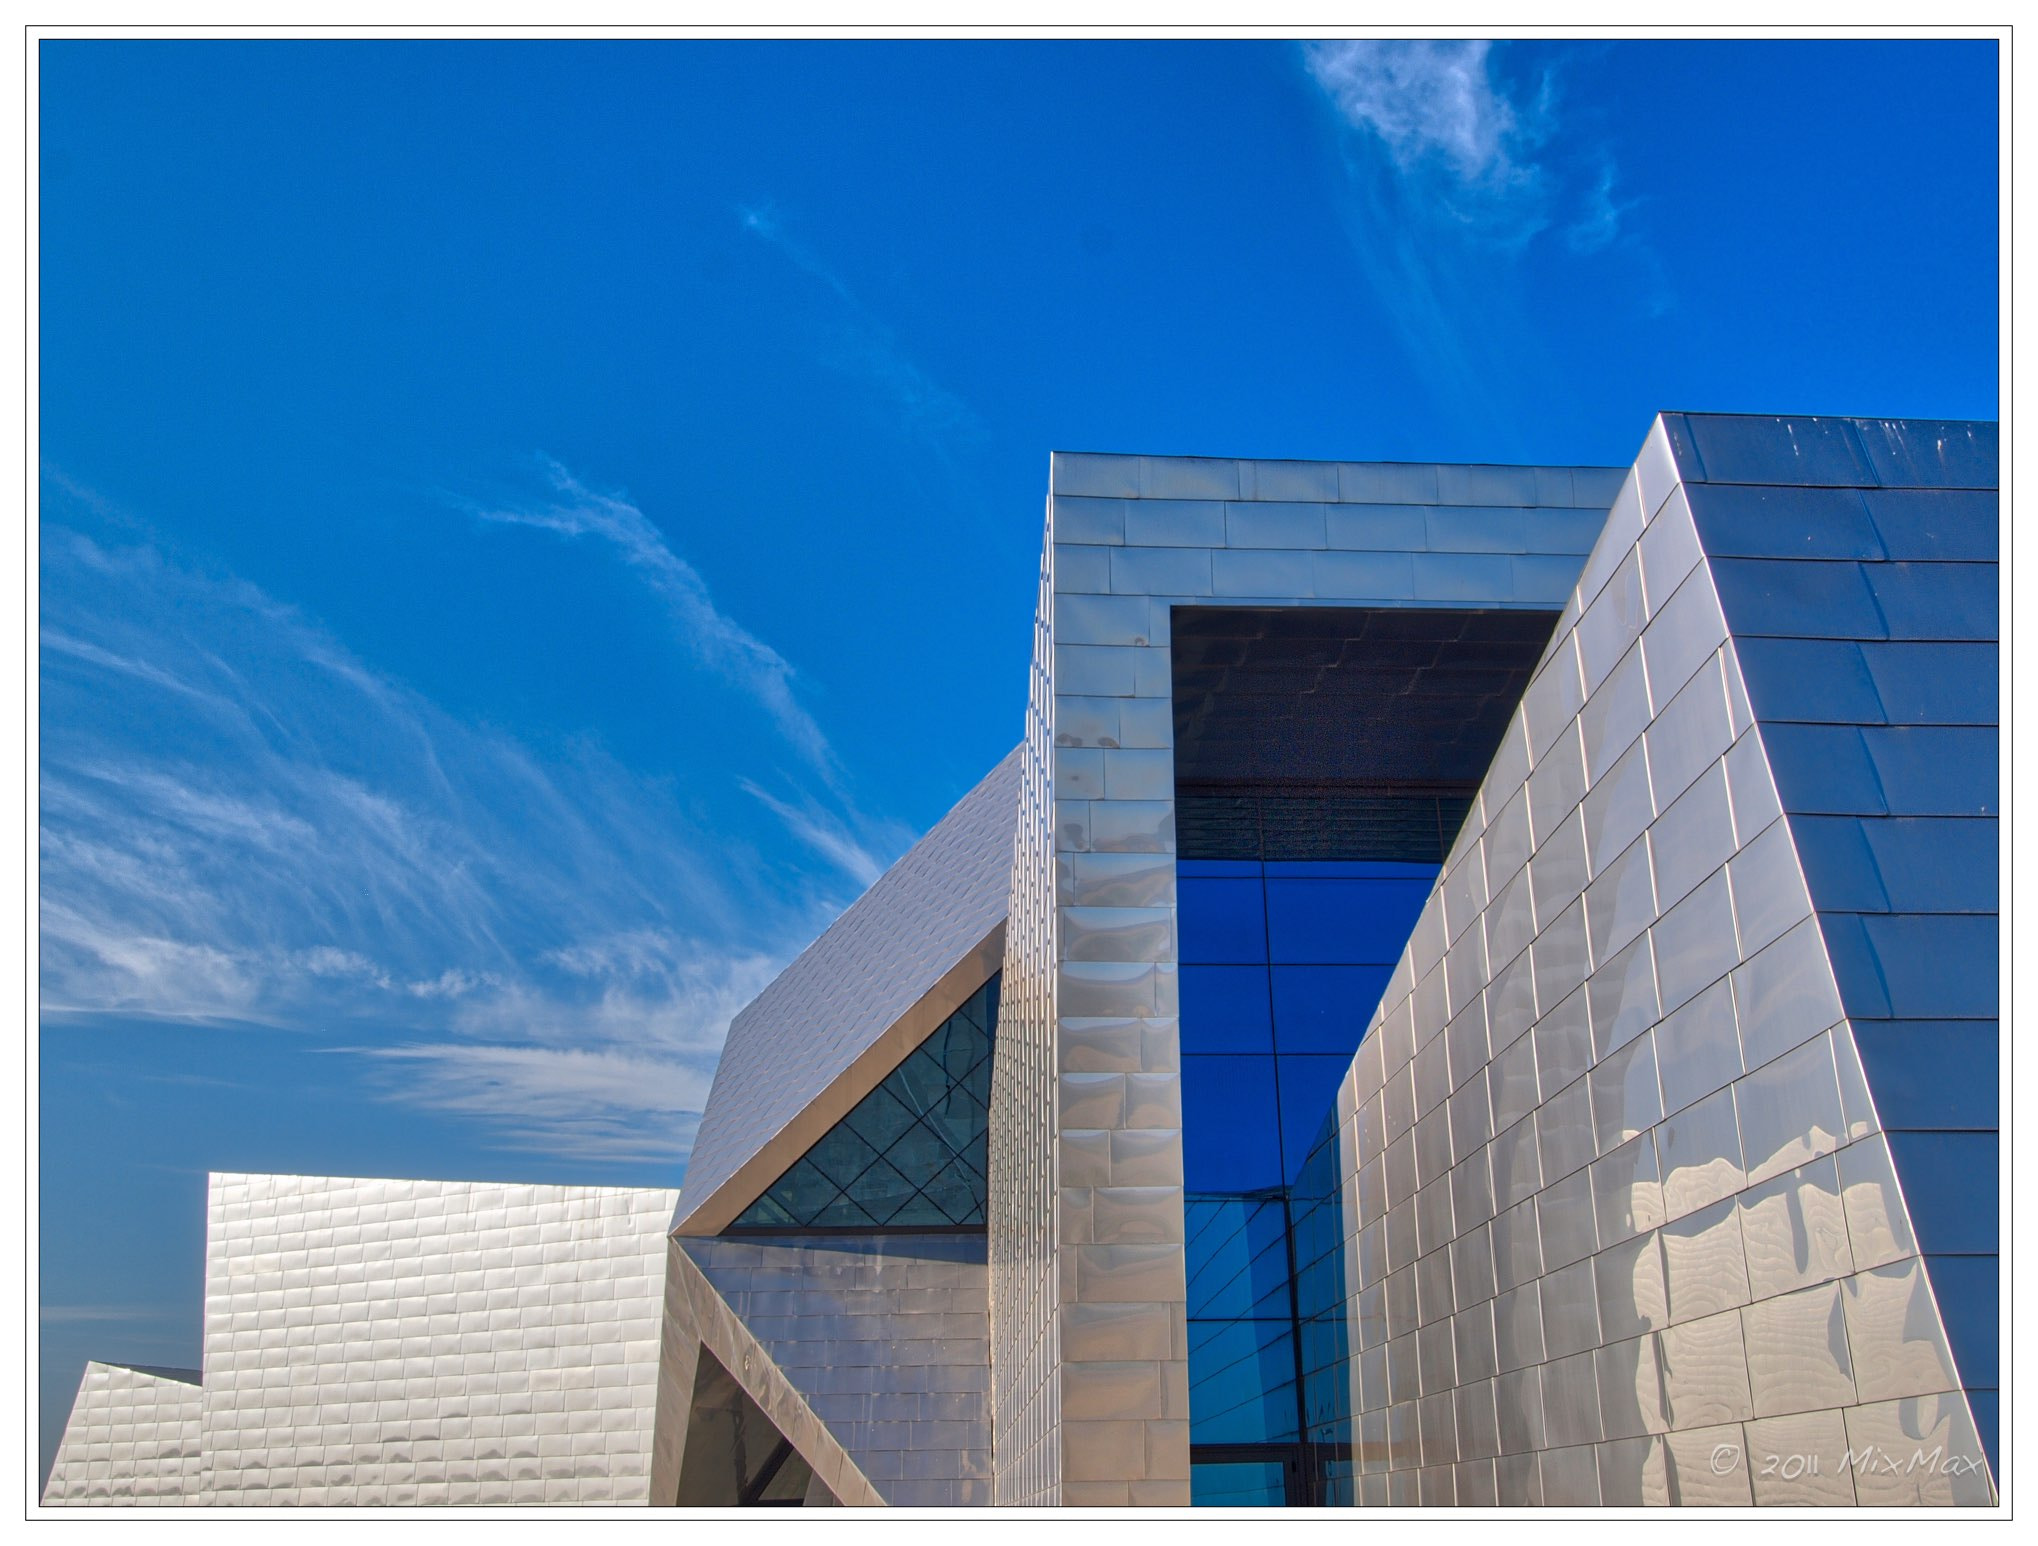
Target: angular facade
x,y
396,1343
1479,986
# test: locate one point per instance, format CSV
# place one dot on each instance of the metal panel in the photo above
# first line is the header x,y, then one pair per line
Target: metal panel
x,y
132,1439
538,1306
851,1307
1701,1116
923,938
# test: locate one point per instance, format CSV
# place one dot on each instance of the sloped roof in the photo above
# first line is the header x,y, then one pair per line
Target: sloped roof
x,y
928,934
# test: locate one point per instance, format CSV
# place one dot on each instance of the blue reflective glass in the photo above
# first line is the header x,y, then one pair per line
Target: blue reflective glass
x,y
1969,1290
1325,1008
1308,1092
1217,869
1351,869
1230,1131
1326,1380
1224,1009
1221,920
1241,1382
1236,1257
1237,1484
1950,1182
1932,1073
1359,920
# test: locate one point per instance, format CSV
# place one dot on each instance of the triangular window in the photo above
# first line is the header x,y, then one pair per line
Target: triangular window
x,y
909,1155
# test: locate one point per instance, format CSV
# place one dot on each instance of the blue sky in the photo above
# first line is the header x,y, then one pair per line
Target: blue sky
x,y
530,529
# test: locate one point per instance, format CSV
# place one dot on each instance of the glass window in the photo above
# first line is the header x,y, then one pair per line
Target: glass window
x,y
1324,1008
1242,1382
911,1154
1237,1257
1221,920
1238,1484
1343,920
1308,1088
1224,1009
1230,1124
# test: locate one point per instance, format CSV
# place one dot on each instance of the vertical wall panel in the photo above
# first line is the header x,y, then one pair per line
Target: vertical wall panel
x,y
1757,1290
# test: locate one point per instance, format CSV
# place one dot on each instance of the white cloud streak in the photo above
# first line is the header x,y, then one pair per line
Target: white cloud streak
x,y
860,345
241,824
1433,102
716,640
825,833
1452,171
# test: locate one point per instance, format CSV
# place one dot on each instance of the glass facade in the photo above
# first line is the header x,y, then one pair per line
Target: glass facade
x,y
909,1155
1282,964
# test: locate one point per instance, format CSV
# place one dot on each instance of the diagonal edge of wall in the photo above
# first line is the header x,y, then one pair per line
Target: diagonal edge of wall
x,y
696,1316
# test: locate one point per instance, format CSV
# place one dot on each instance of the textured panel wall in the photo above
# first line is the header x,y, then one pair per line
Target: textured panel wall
x,y
420,1342
887,1338
697,1320
1625,1224
1023,1150
1129,537
132,1439
869,990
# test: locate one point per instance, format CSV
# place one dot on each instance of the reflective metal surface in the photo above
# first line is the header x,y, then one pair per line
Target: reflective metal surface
x,y
1721,1253
396,1343
925,937
1609,1193
133,1438
1152,531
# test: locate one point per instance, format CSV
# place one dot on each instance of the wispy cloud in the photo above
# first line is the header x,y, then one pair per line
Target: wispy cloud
x,y
715,639
77,1314
1455,170
832,828
1436,108
858,344
243,824
829,835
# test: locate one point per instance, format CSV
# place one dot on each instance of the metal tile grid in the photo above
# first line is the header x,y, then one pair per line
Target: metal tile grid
x,y
420,1342
887,1338
1679,1266
904,956
1129,538
132,1439
1023,1150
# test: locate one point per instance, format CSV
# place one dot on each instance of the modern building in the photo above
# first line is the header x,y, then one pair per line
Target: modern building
x,y
1479,986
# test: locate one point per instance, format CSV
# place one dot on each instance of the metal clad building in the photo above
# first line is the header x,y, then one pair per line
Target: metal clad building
x,y
1478,987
